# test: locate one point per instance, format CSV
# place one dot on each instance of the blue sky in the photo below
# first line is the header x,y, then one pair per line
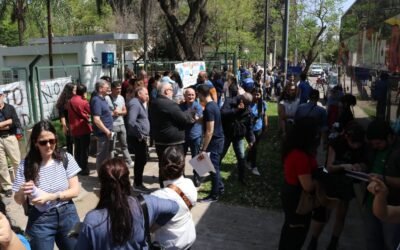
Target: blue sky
x,y
347,4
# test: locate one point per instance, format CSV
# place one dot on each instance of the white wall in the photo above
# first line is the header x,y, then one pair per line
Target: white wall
x,y
63,55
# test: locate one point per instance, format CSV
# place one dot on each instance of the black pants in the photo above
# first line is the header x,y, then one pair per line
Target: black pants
x,y
160,151
252,154
81,153
69,141
295,227
140,148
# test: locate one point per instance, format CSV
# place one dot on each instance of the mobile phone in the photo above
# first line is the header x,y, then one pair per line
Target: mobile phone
x,y
358,175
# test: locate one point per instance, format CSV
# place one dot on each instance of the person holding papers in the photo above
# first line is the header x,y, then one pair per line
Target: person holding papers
x,y
345,152
383,162
213,141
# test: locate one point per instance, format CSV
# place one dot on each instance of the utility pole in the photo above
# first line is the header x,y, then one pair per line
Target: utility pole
x,y
266,20
285,39
145,5
50,37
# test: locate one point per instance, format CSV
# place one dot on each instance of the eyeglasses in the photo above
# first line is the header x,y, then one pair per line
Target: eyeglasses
x,y
44,142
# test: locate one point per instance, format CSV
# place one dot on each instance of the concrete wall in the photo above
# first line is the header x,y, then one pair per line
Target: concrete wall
x,y
63,55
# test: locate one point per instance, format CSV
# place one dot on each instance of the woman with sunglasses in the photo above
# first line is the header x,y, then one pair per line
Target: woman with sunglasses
x,y
47,181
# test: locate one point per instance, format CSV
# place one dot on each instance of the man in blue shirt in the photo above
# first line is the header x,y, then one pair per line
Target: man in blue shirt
x,y
213,142
193,131
304,88
313,111
102,122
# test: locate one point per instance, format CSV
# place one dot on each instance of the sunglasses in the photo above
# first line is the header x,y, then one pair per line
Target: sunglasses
x,y
44,142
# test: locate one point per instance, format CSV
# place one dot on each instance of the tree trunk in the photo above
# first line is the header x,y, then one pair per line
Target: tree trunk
x,y
310,58
190,34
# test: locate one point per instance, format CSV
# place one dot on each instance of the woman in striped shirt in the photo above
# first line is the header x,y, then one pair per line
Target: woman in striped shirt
x,y
46,181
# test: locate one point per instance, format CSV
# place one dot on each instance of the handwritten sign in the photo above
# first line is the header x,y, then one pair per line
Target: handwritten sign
x,y
50,91
188,71
16,94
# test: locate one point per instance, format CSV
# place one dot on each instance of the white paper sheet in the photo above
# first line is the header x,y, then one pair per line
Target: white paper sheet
x,y
203,166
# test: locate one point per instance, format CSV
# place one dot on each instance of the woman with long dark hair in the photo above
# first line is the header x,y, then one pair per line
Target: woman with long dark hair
x,y
80,128
345,152
62,107
117,222
46,181
299,163
259,120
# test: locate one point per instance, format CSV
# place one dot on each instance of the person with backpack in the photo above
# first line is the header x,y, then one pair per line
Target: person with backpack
x,y
45,183
259,120
236,122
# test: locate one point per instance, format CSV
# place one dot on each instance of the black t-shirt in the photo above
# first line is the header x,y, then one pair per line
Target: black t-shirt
x,y
8,112
344,154
212,113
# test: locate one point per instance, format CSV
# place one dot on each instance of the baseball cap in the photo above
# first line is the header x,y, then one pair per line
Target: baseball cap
x,y
1,92
166,79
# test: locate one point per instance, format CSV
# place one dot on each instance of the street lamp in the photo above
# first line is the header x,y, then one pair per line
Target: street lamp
x,y
266,20
50,38
285,39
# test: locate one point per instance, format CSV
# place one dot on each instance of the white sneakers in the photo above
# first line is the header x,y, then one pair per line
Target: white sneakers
x,y
255,171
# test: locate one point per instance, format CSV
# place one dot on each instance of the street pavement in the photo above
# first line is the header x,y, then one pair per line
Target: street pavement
x,y
220,225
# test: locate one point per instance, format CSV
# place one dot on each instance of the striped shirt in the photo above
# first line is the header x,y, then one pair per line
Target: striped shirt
x,y
53,177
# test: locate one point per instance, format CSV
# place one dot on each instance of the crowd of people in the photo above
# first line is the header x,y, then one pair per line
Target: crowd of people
x,y
221,109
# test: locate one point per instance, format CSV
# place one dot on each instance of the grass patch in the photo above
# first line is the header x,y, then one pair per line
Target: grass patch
x,y
60,134
261,191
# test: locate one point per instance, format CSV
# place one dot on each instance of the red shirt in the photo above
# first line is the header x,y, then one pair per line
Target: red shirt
x,y
298,163
78,114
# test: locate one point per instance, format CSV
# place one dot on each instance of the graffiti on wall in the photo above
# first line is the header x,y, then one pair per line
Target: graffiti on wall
x,y
16,94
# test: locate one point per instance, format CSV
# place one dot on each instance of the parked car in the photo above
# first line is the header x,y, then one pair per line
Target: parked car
x,y
316,70
332,80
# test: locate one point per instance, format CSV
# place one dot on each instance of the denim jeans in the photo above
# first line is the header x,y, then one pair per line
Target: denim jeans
x,y
103,150
252,154
238,147
215,148
194,145
46,228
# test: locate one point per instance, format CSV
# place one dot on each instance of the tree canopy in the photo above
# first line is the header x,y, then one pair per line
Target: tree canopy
x,y
183,29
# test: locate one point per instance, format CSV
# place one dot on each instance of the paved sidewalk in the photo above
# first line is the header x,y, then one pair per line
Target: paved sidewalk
x,y
219,225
